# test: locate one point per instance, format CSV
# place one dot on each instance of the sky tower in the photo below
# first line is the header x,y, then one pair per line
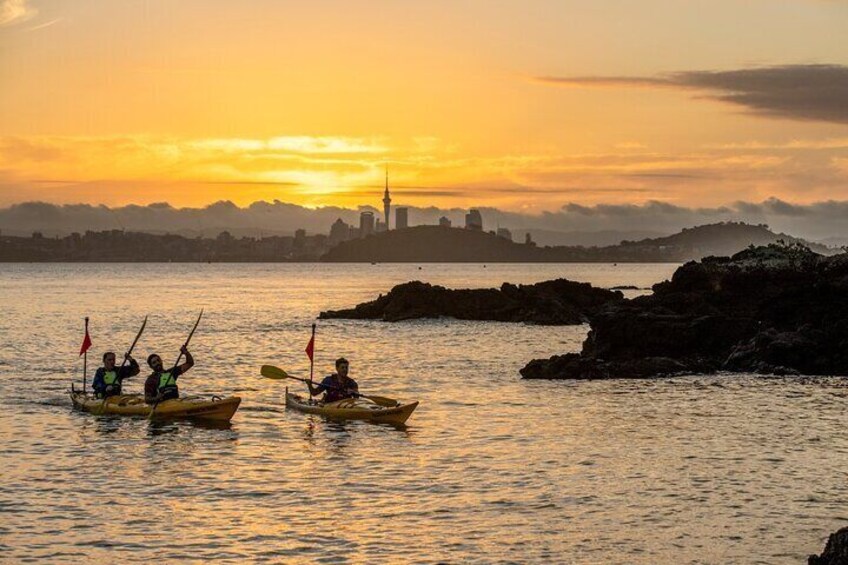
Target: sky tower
x,y
387,201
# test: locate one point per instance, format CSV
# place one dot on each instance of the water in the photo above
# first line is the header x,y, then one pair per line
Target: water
x,y
491,468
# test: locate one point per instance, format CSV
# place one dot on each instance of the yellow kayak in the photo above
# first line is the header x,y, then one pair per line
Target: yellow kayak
x,y
190,407
353,409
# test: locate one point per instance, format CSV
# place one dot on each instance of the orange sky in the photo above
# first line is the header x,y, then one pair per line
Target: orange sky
x,y
139,101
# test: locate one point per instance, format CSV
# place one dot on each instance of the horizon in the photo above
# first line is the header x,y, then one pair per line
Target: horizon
x,y
467,105
592,225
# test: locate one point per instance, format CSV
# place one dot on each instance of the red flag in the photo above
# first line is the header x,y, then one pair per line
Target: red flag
x,y
310,347
86,342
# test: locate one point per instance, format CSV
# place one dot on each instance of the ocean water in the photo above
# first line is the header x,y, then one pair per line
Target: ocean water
x,y
491,468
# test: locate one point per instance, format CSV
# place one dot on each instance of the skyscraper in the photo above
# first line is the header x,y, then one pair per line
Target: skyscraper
x,y
473,220
387,201
339,232
401,218
366,223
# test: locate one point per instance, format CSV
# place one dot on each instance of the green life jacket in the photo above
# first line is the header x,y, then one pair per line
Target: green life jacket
x,y
166,383
110,377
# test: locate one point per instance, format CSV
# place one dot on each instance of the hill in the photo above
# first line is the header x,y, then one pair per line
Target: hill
x,y
428,244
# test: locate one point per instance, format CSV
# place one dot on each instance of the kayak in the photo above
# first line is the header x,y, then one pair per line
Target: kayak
x,y
353,409
189,407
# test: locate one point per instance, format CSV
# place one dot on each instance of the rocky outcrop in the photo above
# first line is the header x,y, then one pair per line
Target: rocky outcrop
x,y
556,302
835,552
776,309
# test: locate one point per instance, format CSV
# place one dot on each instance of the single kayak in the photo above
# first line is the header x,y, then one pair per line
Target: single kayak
x,y
189,407
353,409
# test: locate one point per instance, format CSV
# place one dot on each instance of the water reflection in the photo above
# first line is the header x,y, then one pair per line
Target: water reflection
x,y
496,469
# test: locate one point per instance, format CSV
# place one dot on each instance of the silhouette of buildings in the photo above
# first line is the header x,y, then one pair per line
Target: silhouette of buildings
x,y
299,239
379,226
473,220
504,233
401,218
339,232
366,223
121,246
444,222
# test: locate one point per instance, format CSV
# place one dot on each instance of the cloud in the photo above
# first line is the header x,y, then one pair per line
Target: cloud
x,y
15,11
797,92
817,221
45,24
318,171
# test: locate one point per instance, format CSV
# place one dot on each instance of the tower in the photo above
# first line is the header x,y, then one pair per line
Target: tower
x,y
387,201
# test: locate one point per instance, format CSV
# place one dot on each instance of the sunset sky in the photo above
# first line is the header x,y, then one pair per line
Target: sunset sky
x,y
526,106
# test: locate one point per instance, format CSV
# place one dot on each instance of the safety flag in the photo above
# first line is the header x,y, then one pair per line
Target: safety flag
x,y
310,347
86,342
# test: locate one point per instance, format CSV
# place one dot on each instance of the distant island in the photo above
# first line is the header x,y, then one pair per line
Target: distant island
x,y
436,244
419,244
117,246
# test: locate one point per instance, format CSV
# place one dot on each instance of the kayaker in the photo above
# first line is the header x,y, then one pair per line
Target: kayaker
x,y
108,378
161,384
337,386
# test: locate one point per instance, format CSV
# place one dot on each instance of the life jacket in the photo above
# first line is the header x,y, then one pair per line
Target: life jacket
x,y
167,386
110,379
334,394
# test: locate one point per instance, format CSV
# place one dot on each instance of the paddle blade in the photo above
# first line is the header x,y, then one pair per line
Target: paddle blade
x,y
382,400
272,372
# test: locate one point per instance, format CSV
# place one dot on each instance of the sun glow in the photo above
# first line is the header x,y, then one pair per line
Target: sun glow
x,y
172,101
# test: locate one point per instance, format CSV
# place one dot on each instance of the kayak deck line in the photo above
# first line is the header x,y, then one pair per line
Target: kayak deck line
x,y
189,407
353,409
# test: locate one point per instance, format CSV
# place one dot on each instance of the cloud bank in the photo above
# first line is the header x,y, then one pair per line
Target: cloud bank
x,y
817,221
347,171
798,92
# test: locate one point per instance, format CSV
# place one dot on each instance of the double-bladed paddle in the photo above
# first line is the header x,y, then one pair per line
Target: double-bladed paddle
x,y
179,358
277,374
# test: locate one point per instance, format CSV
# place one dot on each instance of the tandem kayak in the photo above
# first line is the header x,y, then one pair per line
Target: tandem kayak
x,y
353,409
190,407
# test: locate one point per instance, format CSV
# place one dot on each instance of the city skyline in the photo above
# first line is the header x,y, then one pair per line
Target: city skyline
x,y
469,105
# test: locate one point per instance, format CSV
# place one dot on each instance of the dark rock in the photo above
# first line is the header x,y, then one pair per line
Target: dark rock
x,y
835,552
777,309
574,366
556,302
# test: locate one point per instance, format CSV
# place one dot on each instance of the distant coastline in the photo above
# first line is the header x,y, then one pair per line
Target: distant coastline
x,y
420,244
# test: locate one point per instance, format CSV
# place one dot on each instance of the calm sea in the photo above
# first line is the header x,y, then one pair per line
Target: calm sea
x,y
491,468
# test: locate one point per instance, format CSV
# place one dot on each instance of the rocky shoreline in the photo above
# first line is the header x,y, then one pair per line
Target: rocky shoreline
x,y
776,309
555,302
835,552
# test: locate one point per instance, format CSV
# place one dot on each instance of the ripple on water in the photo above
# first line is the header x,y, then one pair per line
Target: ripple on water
x,y
490,469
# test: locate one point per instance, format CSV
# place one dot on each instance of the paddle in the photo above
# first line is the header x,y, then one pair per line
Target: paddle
x,y
126,356
275,373
179,358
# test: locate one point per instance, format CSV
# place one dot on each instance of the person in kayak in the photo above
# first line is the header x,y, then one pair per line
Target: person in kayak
x,y
337,386
161,384
108,378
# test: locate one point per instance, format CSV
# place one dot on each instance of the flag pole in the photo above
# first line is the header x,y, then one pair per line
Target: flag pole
x,y
312,357
85,358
